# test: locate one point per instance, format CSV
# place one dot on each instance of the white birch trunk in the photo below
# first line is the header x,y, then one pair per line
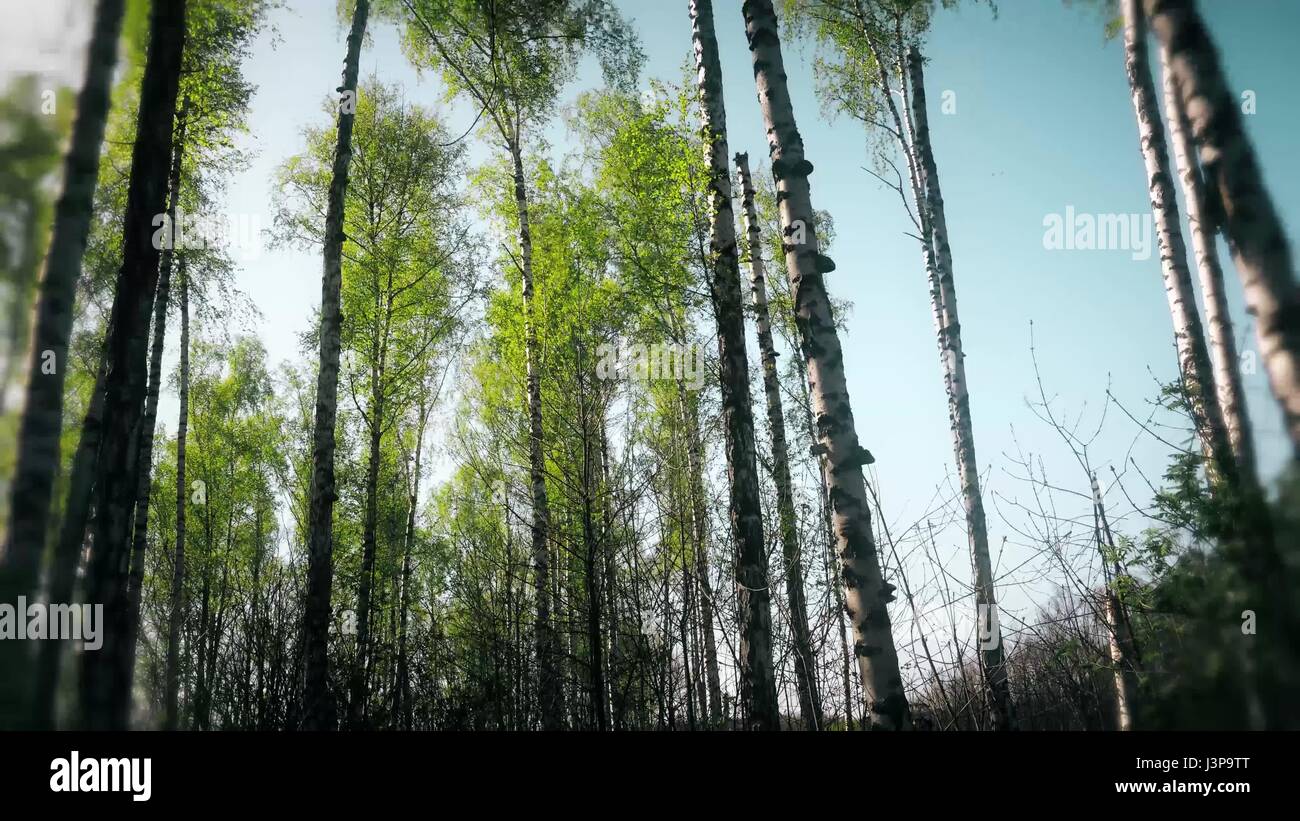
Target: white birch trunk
x,y
757,681
1244,209
1193,355
867,594
953,359
1224,361
810,707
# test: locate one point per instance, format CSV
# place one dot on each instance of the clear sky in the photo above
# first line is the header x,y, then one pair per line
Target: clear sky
x,y
1043,122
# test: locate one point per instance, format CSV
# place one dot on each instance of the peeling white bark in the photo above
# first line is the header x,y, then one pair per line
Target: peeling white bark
x,y
867,594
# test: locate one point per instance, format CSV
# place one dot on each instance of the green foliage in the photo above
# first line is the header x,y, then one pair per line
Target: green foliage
x,y
512,57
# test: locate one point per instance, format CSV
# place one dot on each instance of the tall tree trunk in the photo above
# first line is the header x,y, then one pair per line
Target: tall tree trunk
x,y
828,532
757,680
810,706
684,623
357,708
1120,641
318,703
697,650
867,594
1125,679
139,540
614,663
548,677
69,547
217,631
1193,355
1237,200
171,714
599,706
846,658
200,637
940,281
202,664
565,596
700,530
593,551
403,674
42,419
953,358
106,679
162,301
911,130
1223,346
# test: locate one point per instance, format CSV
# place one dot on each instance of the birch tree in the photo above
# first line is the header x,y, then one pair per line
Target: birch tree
x,y
318,705
943,295
1237,198
805,661
176,606
1193,355
1224,362
1123,656
758,684
106,675
867,594
162,304
874,59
